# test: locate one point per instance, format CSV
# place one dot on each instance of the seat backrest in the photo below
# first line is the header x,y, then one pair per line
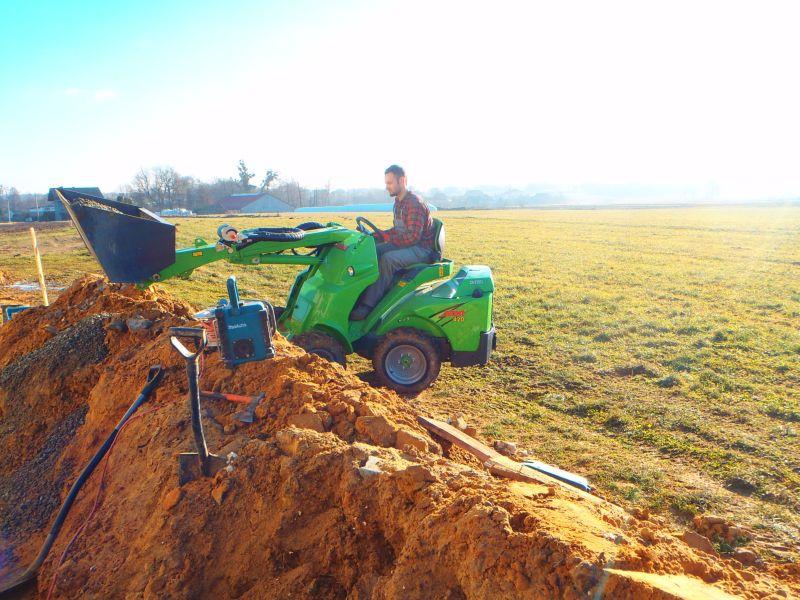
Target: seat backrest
x,y
438,237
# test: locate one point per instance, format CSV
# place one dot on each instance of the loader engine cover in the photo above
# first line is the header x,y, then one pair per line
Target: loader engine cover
x,y
244,329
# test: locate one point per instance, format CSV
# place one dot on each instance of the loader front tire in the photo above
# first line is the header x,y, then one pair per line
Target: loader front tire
x,y
322,344
406,360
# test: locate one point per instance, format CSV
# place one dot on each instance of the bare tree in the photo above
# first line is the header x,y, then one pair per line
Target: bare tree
x,y
142,184
165,182
183,184
3,190
13,199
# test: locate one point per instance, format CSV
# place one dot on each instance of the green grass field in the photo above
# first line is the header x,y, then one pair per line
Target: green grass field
x,y
656,351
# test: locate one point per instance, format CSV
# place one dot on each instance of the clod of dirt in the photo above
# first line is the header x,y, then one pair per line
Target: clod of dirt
x,y
505,448
700,542
172,498
334,491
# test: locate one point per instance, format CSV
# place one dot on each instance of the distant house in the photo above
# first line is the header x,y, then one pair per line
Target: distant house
x,y
257,202
176,212
57,212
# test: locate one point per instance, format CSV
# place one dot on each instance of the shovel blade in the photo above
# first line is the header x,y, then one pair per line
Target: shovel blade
x,y
190,466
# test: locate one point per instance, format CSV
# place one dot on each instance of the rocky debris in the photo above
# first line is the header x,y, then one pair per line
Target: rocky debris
x,y
648,535
311,421
718,528
745,556
31,493
220,490
138,323
172,498
117,325
458,422
407,439
418,441
585,575
378,430
370,467
505,448
700,542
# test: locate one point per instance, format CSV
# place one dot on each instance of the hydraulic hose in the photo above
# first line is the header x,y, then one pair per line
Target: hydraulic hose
x,y
154,377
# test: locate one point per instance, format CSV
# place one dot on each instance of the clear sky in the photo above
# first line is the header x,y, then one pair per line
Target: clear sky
x,y
461,93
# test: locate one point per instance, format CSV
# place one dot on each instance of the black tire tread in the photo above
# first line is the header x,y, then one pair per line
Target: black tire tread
x,y
407,335
312,340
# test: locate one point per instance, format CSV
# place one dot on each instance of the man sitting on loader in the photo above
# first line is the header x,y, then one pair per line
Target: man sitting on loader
x,y
409,241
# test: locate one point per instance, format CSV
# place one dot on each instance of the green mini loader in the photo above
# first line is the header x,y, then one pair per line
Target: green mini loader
x,y
429,315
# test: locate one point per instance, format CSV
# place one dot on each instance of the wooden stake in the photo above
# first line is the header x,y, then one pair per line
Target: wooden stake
x,y
39,269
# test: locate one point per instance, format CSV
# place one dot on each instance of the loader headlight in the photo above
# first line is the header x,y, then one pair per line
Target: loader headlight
x,y
351,271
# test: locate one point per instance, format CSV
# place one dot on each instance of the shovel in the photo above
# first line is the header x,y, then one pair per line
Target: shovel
x,y
201,463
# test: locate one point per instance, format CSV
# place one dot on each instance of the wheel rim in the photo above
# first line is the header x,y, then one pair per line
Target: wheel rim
x,y
405,364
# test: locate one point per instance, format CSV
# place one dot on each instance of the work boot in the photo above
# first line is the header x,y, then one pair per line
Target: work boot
x,y
360,313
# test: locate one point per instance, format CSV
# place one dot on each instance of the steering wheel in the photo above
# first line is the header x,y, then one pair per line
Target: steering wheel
x,y
360,225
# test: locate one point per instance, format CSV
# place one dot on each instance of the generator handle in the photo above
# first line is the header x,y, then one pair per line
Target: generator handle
x,y
233,294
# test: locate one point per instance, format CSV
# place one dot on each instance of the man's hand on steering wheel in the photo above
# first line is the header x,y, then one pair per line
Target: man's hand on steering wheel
x,y
362,223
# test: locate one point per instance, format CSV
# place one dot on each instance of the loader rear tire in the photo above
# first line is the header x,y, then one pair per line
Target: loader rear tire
x,y
322,344
406,360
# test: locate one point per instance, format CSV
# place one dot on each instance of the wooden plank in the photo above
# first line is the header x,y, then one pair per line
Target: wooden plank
x,y
459,438
496,463
518,472
38,258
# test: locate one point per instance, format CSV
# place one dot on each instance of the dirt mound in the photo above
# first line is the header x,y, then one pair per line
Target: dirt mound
x,y
86,296
333,492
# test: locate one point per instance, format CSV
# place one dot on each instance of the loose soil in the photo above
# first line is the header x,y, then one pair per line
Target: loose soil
x,y
295,515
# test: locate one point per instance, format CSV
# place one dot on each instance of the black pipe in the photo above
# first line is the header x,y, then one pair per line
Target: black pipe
x,y
153,379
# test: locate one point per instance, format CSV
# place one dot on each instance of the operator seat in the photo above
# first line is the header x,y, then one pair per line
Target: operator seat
x,y
438,240
411,271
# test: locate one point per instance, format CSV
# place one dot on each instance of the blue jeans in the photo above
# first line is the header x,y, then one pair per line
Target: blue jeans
x,y
391,259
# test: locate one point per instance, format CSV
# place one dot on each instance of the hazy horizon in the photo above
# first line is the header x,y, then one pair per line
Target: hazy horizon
x,y
700,95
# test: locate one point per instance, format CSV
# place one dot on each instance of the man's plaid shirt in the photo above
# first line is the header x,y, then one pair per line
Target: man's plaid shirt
x,y
412,223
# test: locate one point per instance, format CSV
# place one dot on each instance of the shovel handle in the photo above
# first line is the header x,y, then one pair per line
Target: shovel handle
x,y
198,334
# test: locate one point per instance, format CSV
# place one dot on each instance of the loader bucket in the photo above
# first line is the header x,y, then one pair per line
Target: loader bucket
x,y
130,243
